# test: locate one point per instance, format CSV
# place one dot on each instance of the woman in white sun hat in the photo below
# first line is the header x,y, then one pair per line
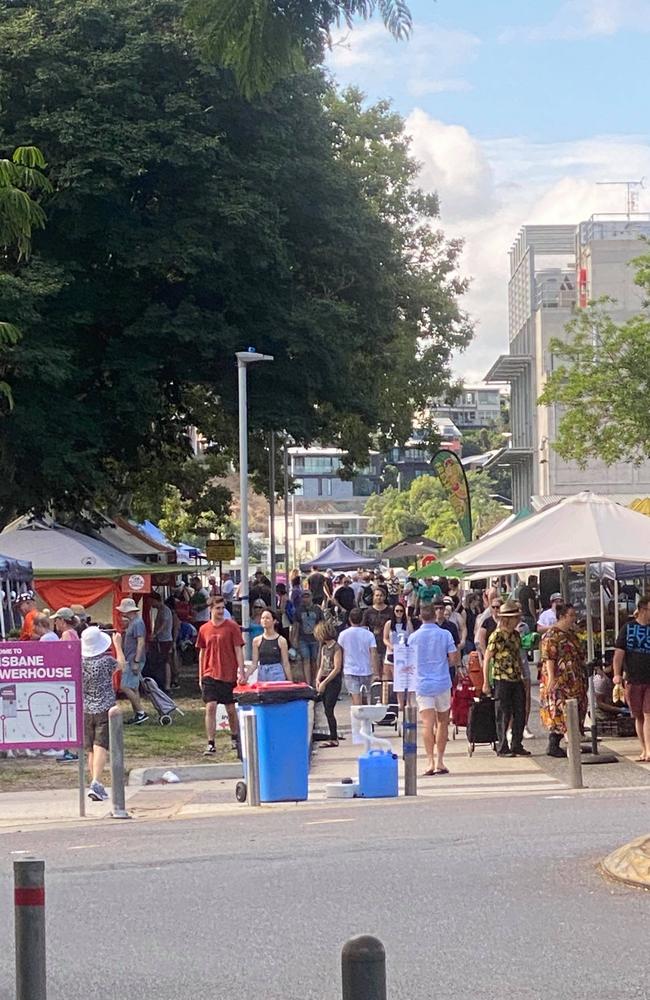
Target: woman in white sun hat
x,y
98,664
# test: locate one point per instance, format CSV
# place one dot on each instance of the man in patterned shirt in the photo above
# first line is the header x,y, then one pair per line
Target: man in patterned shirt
x,y
502,667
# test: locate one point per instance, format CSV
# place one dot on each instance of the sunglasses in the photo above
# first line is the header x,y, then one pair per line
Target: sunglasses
x,y
399,611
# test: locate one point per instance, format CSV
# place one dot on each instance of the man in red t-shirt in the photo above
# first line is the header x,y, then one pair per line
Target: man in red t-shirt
x,y
221,666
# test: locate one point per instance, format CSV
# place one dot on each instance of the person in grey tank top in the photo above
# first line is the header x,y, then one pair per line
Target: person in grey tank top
x,y
329,676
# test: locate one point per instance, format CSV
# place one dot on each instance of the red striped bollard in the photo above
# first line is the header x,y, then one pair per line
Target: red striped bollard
x,y
29,911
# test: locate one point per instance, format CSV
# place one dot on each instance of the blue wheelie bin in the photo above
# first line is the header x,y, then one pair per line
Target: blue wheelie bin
x,y
283,738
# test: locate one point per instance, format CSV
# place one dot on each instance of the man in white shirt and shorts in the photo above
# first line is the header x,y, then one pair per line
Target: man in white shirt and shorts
x,y
435,653
360,659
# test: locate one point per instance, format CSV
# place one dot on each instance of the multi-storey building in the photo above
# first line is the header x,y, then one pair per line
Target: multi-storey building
x,y
474,407
554,271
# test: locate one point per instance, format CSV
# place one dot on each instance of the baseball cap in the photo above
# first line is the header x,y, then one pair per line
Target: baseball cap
x,y
66,613
556,597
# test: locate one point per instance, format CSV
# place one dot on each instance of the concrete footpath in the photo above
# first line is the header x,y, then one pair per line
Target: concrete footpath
x,y
483,775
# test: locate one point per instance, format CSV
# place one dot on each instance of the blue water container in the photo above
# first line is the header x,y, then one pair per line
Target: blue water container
x,y
282,723
378,775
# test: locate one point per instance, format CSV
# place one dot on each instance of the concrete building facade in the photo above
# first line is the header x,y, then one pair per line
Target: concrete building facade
x,y
555,271
474,407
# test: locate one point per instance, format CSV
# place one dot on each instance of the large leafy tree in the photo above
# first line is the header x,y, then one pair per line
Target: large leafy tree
x,y
425,509
263,41
602,383
187,223
22,184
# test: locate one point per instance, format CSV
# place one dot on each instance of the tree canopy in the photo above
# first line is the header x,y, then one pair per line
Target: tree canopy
x,y
603,383
424,509
22,183
187,223
263,41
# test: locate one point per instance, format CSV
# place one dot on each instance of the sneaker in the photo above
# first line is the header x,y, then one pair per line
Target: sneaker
x,y
504,753
97,792
528,735
67,757
521,752
209,750
137,719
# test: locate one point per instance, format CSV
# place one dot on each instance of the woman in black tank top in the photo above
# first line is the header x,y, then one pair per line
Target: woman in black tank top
x,y
270,653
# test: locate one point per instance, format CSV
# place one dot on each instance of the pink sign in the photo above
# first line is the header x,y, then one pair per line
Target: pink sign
x,y
41,695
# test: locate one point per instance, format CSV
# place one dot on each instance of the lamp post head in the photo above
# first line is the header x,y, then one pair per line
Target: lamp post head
x,y
250,356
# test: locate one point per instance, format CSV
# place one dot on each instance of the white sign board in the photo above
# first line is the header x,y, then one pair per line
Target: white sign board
x,y
403,668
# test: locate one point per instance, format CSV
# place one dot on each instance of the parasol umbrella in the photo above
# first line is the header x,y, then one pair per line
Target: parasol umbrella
x,y
435,569
412,547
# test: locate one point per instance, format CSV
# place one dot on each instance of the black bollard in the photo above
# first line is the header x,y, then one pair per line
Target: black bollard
x,y
29,908
363,966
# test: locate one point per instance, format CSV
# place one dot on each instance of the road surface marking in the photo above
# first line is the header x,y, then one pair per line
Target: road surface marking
x,y
83,847
323,822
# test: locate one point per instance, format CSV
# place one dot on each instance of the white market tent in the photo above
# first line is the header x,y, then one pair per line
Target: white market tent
x,y
54,550
584,528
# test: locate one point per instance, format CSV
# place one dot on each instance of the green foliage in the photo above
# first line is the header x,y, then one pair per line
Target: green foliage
x,y
424,509
175,520
21,183
264,41
20,213
603,384
186,224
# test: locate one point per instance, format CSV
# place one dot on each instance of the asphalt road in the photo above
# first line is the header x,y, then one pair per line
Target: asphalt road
x,y
478,898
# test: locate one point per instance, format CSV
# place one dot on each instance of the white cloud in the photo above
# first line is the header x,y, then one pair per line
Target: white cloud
x,y
489,189
576,19
429,63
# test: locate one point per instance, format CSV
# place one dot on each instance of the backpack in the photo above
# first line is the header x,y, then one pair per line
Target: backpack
x,y
366,595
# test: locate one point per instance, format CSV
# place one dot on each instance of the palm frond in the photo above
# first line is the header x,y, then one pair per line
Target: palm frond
x,y
29,156
9,335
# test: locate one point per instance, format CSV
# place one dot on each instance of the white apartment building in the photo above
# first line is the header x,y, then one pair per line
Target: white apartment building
x,y
475,406
313,525
554,271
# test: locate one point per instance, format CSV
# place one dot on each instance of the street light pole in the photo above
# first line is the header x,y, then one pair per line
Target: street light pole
x,y
245,358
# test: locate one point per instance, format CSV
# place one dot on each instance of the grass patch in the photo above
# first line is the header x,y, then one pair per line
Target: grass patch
x,y
148,745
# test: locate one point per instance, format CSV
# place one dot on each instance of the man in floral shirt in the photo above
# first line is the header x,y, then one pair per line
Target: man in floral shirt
x,y
502,667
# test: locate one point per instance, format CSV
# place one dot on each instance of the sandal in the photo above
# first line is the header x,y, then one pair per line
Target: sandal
x,y
641,760
332,743
429,773
441,770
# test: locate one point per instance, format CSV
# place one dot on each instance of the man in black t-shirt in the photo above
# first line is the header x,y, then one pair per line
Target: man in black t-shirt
x,y
632,660
527,597
344,595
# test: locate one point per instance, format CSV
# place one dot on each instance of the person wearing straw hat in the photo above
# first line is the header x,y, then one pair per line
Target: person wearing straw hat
x,y
97,666
134,654
502,670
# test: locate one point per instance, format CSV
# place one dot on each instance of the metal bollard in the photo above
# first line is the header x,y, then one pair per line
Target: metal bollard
x,y
252,760
116,743
574,743
29,910
363,967
410,748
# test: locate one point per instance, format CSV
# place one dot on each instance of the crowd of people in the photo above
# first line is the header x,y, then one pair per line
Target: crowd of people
x,y
342,630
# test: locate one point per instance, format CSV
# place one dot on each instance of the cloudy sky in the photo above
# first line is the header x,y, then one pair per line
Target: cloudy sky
x,y
516,111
